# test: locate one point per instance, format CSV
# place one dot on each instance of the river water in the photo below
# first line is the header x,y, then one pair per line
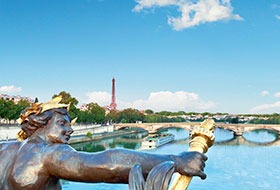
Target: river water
x,y
251,162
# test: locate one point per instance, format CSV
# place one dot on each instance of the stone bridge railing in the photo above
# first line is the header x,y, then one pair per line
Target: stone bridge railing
x,y
154,127
237,129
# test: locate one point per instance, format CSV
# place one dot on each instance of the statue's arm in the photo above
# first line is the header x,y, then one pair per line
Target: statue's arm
x,y
109,166
113,166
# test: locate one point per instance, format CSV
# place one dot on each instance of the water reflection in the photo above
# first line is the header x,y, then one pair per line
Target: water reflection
x,y
131,141
253,138
222,135
222,138
261,136
100,145
244,162
240,140
180,134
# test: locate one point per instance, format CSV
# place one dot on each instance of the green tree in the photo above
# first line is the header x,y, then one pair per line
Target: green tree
x,y
113,116
84,116
2,108
206,114
148,111
97,112
164,113
181,113
20,106
66,99
150,118
11,110
131,115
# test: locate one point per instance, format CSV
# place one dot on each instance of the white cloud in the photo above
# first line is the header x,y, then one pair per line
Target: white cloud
x,y
277,16
157,101
102,98
142,4
277,94
264,93
267,108
173,101
10,89
193,12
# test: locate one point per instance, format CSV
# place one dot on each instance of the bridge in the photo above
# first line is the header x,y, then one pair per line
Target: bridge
x,y
238,140
237,129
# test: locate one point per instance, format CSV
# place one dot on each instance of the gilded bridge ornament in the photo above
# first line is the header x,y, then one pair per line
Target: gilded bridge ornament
x,y
44,157
202,137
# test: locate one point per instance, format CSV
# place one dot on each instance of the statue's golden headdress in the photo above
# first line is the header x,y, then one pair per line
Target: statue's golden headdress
x,y
37,108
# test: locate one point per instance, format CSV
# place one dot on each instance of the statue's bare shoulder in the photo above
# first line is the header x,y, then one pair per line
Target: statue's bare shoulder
x,y
7,151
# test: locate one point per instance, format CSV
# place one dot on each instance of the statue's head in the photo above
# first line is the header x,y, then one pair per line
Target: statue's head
x,y
51,115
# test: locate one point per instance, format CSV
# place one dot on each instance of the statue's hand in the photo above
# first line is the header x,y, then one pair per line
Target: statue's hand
x,y
191,164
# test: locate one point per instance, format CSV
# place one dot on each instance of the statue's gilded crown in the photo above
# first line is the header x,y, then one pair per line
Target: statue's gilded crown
x,y
37,108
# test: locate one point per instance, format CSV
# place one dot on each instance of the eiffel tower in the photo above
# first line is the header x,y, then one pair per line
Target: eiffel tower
x,y
113,105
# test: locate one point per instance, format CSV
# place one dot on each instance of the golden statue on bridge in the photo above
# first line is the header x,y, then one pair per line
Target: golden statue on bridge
x,y
44,157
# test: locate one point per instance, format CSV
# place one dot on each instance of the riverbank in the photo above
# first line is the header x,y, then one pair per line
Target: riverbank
x,y
99,136
82,133
9,132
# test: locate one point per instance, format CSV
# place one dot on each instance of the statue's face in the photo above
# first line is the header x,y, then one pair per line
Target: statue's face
x,y
59,129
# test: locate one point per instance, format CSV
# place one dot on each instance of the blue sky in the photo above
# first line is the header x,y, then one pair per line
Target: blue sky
x,y
190,55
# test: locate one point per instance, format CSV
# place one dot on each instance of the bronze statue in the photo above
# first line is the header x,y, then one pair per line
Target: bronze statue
x,y
44,157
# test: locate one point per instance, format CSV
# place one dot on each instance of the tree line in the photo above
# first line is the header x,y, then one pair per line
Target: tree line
x,y
94,113
97,114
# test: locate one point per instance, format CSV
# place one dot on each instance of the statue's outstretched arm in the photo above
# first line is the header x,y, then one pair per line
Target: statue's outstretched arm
x,y
112,166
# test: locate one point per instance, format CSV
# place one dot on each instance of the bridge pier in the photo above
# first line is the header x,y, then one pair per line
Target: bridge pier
x,y
237,133
152,132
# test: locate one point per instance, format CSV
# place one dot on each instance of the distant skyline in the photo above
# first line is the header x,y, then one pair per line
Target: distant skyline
x,y
173,55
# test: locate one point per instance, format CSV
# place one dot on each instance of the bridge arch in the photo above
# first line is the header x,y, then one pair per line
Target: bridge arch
x,y
237,129
237,140
261,128
154,127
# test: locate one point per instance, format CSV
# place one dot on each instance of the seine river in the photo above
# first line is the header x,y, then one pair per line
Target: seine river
x,y
251,162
